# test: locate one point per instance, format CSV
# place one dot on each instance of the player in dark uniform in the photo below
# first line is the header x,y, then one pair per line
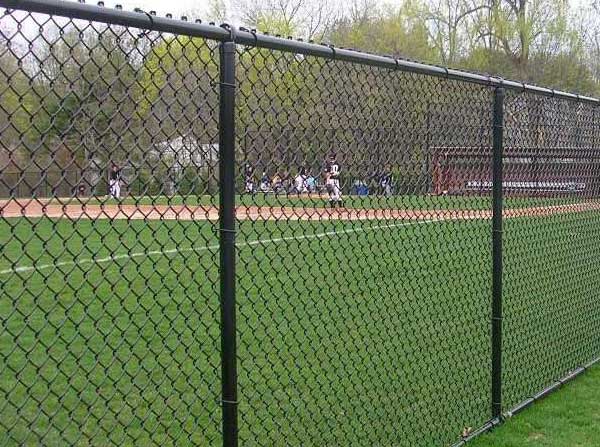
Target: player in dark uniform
x,y
115,182
332,181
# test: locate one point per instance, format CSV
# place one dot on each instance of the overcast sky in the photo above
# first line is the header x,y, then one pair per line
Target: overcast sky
x,y
195,9
177,7
198,9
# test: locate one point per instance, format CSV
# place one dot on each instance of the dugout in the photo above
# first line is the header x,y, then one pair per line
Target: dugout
x,y
527,171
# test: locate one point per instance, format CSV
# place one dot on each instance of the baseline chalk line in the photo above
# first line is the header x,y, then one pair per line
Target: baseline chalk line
x,y
149,254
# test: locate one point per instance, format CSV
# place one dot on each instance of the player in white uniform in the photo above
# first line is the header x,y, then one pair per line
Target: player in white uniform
x,y
300,182
332,181
249,178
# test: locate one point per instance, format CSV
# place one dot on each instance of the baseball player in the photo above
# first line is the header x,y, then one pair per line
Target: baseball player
x,y
115,182
249,177
332,181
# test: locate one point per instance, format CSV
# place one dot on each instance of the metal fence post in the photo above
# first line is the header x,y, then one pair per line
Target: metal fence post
x,y
497,197
430,156
227,242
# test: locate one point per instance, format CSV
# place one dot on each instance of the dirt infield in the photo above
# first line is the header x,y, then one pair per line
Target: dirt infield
x,y
35,209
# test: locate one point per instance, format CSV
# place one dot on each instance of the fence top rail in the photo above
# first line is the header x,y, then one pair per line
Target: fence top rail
x,y
151,22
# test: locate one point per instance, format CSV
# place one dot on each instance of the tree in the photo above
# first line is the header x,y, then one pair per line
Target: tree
x,y
310,19
450,24
177,96
217,11
17,101
588,21
399,32
520,27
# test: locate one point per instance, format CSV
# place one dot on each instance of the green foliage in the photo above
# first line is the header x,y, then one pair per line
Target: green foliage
x,y
272,23
192,181
171,65
536,41
103,93
62,115
18,102
399,32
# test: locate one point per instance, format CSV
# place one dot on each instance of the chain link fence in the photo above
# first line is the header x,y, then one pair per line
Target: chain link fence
x,y
212,236
550,269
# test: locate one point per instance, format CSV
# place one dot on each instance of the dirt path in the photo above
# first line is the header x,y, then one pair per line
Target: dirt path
x,y
34,208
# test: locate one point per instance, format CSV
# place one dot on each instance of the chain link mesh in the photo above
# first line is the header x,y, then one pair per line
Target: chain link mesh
x,y
364,264
366,323
551,275
109,305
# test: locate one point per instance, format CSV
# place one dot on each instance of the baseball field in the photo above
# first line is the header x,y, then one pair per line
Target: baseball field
x,y
110,317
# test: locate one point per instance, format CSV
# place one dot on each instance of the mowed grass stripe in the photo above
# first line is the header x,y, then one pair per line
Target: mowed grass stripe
x,y
367,337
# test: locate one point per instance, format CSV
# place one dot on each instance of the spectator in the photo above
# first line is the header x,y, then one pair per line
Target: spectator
x,y
265,182
276,183
311,184
385,183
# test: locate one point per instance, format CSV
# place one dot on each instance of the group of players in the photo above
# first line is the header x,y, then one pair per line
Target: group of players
x,y
331,174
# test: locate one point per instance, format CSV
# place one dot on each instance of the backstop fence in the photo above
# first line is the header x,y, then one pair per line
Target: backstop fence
x,y
214,236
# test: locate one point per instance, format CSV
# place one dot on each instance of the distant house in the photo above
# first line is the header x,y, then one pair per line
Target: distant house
x,y
185,151
192,165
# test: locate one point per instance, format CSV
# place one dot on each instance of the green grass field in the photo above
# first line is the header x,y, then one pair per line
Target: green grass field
x,y
570,417
349,333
